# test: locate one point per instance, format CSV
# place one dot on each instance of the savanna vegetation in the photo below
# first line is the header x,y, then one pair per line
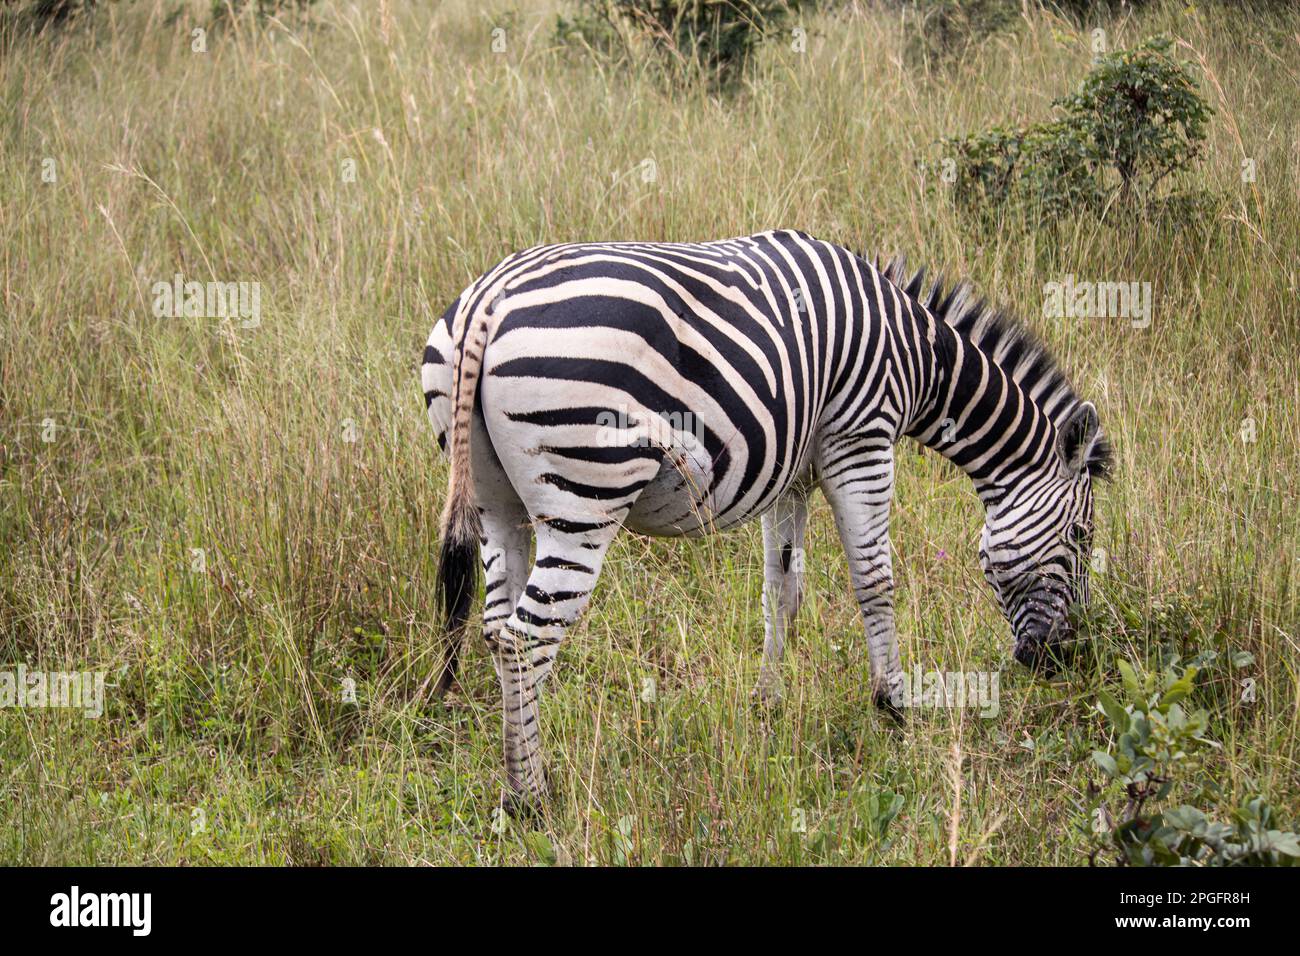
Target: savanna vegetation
x,y
234,518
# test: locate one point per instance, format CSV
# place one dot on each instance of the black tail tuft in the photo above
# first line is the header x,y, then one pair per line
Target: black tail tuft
x,y
458,580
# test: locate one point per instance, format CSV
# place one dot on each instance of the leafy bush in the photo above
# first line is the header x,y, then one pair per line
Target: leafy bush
x,y
55,11
1082,10
1045,166
37,15
1142,114
227,9
941,30
717,36
1062,175
1136,119
593,24
1156,742
986,166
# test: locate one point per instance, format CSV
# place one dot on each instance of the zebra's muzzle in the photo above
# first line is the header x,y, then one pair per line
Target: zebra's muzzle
x,y
1045,650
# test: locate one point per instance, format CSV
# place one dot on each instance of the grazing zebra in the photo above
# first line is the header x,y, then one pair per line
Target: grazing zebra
x,y
682,388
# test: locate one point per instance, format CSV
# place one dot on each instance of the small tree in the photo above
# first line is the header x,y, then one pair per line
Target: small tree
x,y
1136,119
1141,113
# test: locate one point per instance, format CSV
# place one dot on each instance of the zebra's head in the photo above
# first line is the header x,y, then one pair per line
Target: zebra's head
x,y
1037,542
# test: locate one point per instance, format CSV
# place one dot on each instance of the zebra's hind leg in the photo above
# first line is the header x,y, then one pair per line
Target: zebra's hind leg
x,y
569,558
507,535
858,481
783,570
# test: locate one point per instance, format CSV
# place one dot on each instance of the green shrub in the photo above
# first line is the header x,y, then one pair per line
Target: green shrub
x,y
941,30
1158,747
986,166
1062,175
1136,119
717,36
1046,166
33,16
56,11
1082,11
224,9
592,24
1141,114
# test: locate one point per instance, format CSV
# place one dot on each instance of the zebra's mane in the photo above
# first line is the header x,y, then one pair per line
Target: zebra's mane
x,y
1005,339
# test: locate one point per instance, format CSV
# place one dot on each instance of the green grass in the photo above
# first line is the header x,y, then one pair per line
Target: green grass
x,y
176,434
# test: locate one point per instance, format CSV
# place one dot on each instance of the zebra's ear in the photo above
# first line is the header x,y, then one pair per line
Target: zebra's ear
x,y
1079,437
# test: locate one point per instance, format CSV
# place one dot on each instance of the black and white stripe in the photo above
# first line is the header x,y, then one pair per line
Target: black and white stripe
x,y
682,388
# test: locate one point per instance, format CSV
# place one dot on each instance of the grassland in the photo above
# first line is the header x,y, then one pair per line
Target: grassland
x,y
233,521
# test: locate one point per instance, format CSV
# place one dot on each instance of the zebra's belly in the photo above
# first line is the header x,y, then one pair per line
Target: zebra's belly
x,y
677,503
674,504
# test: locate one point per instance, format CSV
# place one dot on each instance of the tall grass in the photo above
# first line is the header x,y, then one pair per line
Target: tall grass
x,y
233,521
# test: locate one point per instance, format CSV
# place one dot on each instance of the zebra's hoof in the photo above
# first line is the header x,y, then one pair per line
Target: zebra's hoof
x,y
888,706
522,806
524,802
1046,660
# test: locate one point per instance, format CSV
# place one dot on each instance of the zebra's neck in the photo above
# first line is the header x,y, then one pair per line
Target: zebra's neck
x,y
982,415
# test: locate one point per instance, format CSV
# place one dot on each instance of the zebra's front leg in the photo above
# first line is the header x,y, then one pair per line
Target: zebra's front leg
x,y
783,572
860,488
558,589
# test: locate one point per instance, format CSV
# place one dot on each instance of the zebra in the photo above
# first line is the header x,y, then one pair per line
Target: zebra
x,y
679,389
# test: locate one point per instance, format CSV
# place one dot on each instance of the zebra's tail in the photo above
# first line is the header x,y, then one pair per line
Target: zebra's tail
x,y
461,528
